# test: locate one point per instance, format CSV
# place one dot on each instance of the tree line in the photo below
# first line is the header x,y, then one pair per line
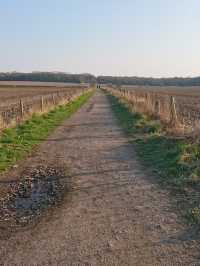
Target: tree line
x,y
48,77
140,81
88,78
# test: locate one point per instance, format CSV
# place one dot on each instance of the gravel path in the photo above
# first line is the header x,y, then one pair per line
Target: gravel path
x,y
115,215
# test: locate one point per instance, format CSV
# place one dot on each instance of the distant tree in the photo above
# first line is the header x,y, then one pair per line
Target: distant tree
x,y
48,77
141,81
88,78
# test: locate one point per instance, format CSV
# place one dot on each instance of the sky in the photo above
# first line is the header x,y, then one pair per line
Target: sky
x,y
151,38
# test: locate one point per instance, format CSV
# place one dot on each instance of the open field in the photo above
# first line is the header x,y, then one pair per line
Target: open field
x,y
173,90
38,83
11,92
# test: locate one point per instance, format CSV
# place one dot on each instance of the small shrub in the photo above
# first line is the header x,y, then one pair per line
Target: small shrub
x,y
194,215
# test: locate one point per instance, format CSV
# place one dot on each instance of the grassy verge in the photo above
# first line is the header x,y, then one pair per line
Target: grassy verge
x,y
175,162
17,142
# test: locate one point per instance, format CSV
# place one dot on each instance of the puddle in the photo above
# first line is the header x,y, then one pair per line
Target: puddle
x,y
36,191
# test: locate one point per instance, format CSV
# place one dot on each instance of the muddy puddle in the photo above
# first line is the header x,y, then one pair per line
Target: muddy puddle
x,y
37,190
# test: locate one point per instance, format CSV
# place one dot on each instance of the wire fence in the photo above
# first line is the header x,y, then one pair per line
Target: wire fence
x,y
21,109
178,111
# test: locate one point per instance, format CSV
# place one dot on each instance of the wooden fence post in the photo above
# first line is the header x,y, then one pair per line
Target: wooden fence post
x,y
157,108
21,104
147,102
174,118
53,99
42,103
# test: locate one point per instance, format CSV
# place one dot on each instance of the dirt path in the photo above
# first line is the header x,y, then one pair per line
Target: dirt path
x,y
116,215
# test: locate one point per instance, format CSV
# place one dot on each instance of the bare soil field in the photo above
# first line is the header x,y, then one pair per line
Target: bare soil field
x,y
38,83
11,92
114,214
172,90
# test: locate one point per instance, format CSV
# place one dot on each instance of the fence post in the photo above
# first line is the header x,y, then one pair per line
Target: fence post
x,y
21,104
53,99
157,108
174,118
42,103
148,102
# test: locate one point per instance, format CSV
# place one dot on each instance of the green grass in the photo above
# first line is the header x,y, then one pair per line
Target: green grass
x,y
175,162
17,142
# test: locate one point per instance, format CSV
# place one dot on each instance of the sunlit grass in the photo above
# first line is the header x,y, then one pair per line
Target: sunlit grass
x,y
175,162
17,142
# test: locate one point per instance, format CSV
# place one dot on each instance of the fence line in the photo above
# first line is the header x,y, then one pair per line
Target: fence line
x,y
23,109
177,111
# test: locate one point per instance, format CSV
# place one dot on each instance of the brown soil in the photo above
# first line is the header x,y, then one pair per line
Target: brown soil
x,y
115,215
190,91
10,94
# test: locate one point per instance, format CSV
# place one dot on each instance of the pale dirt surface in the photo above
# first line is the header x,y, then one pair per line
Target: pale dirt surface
x,y
115,215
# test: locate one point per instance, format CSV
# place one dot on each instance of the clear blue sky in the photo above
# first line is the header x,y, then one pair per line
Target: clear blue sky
x,y
111,37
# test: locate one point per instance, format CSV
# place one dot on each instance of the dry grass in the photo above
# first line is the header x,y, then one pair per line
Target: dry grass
x,y
177,107
20,103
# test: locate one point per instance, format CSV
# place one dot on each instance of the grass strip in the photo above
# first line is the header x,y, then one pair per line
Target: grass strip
x,y
175,162
17,142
